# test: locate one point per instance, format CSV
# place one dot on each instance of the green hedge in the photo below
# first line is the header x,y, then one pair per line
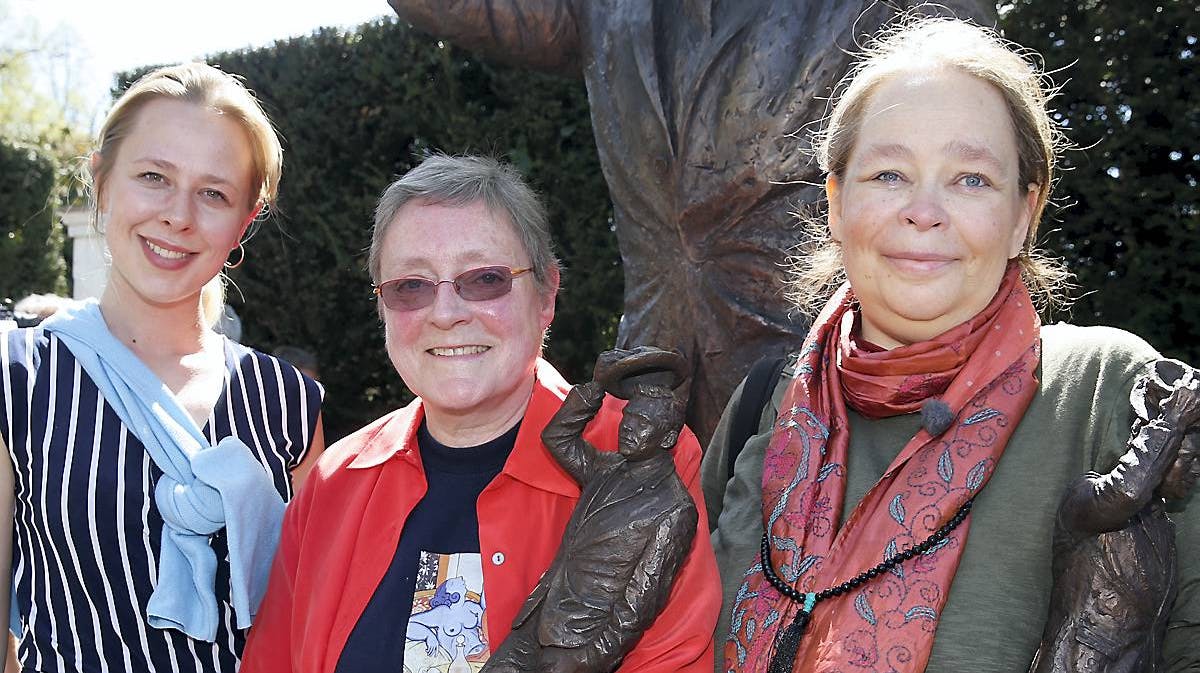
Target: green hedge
x,y
31,242
355,110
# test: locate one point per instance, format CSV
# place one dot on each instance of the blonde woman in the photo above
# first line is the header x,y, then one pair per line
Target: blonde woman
x,y
147,459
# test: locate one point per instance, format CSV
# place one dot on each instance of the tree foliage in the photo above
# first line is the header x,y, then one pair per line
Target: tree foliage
x,y
1129,221
356,110
37,102
31,240
39,146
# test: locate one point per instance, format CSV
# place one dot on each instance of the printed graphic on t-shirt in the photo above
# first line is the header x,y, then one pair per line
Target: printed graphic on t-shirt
x,y
447,632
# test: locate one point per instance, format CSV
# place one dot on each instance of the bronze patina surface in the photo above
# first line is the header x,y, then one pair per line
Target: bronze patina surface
x,y
630,532
1115,563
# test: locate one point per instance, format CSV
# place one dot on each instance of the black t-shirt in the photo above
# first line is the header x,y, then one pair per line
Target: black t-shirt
x,y
429,606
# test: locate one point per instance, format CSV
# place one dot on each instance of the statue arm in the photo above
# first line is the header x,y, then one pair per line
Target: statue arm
x,y
563,435
538,34
1099,503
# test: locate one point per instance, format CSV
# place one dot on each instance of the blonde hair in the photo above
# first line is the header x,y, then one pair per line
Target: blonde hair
x,y
199,84
939,42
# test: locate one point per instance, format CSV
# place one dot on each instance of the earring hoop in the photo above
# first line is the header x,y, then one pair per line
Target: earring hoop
x,y
241,258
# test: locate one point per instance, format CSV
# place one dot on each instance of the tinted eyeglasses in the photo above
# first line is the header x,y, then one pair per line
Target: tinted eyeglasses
x,y
414,292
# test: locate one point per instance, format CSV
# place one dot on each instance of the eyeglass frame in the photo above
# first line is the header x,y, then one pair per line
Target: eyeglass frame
x,y
513,274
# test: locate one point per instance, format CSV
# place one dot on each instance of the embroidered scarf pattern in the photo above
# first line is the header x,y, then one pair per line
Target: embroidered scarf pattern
x,y
984,370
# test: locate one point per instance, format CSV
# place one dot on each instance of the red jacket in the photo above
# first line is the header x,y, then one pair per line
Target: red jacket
x,y
340,534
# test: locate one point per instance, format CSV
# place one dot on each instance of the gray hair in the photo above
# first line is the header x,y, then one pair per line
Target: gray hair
x,y
463,180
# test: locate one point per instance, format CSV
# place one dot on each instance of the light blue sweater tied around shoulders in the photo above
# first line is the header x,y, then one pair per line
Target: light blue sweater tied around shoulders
x,y
203,488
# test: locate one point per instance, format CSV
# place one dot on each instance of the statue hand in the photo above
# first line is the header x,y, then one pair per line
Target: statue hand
x,y
592,394
610,359
1182,408
620,371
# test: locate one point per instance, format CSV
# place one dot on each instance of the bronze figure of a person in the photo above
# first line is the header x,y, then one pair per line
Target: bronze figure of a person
x,y
1115,565
699,109
631,529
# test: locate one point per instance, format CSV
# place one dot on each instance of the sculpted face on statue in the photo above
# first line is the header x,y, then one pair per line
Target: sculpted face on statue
x,y
649,423
1185,470
651,380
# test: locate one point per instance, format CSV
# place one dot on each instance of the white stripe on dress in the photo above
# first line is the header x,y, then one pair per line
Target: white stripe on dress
x,y
249,415
53,353
263,417
123,545
69,534
109,598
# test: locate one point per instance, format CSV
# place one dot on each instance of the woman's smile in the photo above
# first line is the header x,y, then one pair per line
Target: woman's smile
x,y
165,255
916,263
458,351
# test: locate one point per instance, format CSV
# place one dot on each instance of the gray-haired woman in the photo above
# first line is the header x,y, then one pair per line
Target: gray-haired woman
x,y
419,537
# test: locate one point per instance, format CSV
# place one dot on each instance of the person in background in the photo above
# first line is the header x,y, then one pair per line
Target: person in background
x,y
229,324
35,308
7,319
896,508
301,359
419,537
145,460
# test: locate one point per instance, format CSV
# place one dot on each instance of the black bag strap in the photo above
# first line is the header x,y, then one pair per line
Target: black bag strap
x,y
756,394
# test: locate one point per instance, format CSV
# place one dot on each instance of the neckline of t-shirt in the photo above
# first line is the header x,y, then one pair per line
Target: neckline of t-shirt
x,y
485,458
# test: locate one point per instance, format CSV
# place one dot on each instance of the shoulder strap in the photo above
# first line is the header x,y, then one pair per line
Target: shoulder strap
x,y
756,394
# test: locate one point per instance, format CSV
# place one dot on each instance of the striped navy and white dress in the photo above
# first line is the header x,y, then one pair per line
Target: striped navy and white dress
x,y
86,528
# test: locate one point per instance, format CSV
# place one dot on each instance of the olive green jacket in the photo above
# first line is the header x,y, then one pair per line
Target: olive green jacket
x,y
993,619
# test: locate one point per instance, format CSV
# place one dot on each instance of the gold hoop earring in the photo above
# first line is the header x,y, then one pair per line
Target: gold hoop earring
x,y
241,258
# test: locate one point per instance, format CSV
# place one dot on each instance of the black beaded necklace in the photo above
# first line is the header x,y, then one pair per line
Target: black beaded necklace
x,y
788,643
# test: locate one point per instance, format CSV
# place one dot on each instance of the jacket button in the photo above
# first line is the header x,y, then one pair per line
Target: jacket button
x,y
498,558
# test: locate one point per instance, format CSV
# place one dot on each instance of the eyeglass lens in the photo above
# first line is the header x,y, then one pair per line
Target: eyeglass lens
x,y
414,292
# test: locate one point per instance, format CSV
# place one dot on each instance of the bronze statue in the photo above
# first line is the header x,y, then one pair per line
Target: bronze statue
x,y
700,111
1115,566
630,531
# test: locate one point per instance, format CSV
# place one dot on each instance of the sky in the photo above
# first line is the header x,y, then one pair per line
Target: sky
x,y
109,36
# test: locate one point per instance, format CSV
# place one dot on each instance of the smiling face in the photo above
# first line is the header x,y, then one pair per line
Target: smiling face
x,y
930,208
175,201
471,362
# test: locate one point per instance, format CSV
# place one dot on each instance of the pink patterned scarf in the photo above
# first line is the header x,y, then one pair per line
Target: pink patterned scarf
x,y
983,370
